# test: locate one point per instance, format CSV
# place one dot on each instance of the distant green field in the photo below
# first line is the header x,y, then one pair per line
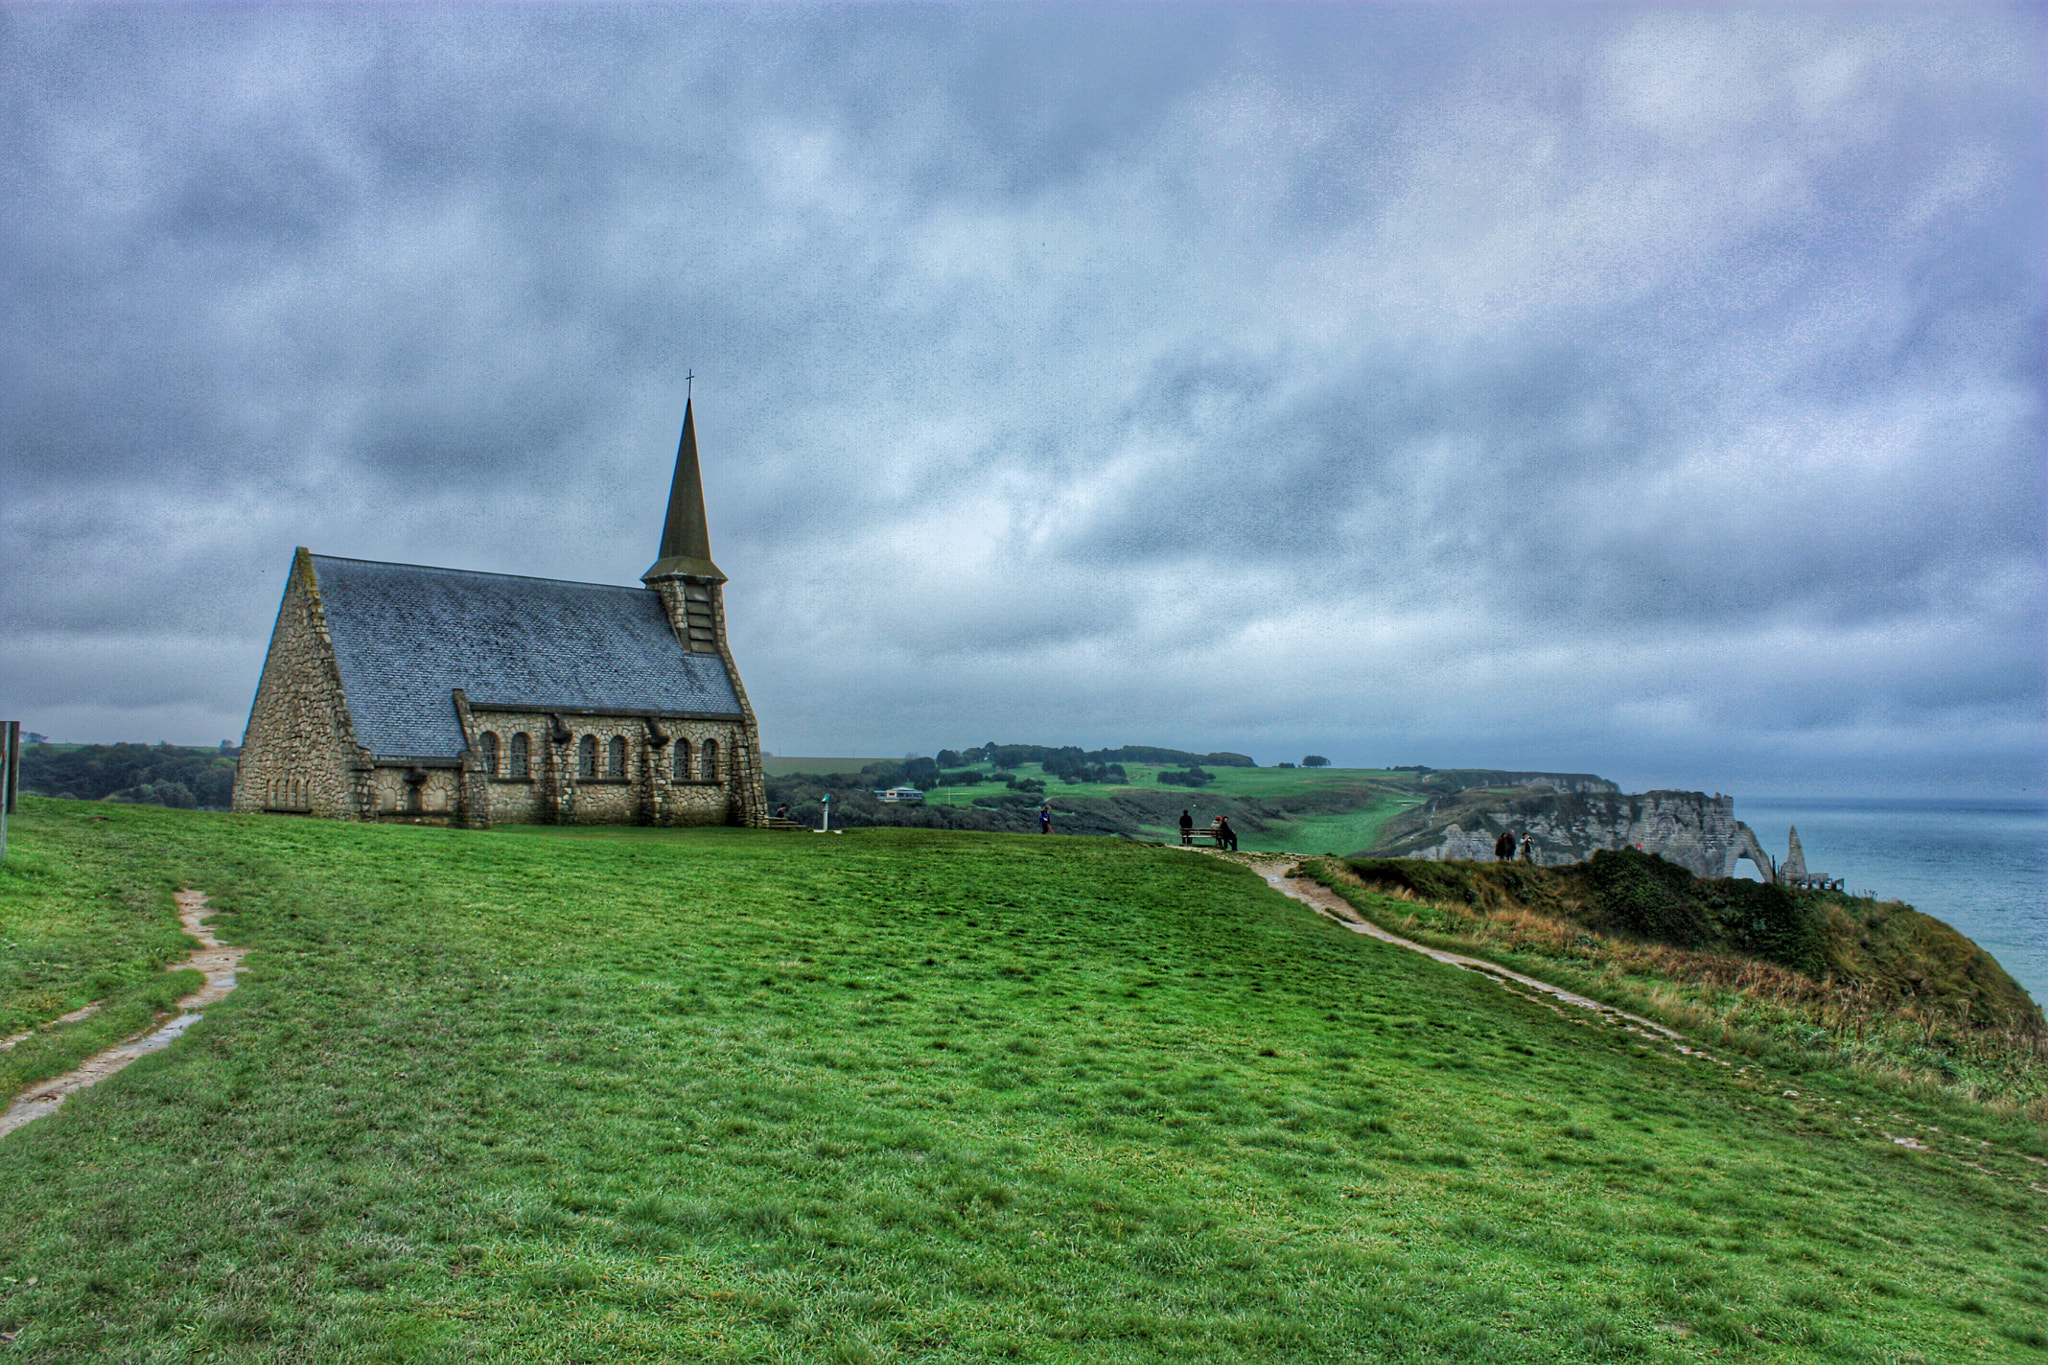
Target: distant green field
x,y
964,796
1341,831
901,1095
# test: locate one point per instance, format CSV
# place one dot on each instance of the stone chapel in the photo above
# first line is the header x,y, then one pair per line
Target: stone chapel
x,y
402,693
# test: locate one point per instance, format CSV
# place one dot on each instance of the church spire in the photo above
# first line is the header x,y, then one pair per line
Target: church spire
x,y
685,537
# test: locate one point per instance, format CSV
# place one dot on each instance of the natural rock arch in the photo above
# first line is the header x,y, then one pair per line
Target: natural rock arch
x,y
1744,845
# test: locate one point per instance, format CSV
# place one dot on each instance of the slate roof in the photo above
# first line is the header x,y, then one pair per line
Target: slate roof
x,y
406,637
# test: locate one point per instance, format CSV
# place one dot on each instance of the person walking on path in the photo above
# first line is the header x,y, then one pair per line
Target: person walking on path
x,y
1504,847
1226,837
1187,827
1045,818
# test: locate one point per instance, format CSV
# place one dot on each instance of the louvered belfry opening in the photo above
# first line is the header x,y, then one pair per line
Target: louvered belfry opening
x,y
701,627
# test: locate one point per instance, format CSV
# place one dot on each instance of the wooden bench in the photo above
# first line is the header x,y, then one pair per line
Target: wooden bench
x,y
1202,835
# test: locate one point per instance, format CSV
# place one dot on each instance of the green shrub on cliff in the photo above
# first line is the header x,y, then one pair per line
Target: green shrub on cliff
x,y
1482,886
1643,895
1640,894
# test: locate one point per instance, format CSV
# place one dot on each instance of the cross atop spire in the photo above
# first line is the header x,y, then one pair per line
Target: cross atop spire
x,y
685,537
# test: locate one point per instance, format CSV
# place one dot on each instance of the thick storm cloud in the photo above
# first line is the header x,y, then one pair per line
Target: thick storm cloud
x,y
1648,392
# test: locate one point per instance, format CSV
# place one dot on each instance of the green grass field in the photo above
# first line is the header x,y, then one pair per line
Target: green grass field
x,y
1329,833
712,1095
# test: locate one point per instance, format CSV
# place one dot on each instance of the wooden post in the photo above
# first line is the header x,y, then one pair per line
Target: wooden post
x,y
10,765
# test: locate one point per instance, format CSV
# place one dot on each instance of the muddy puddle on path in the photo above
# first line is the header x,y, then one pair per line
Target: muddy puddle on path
x,y
216,959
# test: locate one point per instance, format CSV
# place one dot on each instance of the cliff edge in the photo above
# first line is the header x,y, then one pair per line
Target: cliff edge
x,y
1696,831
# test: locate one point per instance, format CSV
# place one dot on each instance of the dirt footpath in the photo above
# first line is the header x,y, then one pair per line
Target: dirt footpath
x,y
1330,905
216,959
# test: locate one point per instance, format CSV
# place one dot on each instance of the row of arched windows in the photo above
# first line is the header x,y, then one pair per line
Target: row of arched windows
x,y
698,765
614,754
521,754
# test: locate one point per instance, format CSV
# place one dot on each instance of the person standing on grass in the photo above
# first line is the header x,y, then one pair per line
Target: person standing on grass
x,y
1504,847
1187,827
1226,837
1045,818
1528,850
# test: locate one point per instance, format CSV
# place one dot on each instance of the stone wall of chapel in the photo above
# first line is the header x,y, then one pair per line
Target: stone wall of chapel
x,y
696,804
695,800
597,799
516,803
555,791
508,799
299,753
440,794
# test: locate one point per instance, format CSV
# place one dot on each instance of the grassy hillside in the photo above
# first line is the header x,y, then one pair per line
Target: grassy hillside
x,y
1823,975
713,1095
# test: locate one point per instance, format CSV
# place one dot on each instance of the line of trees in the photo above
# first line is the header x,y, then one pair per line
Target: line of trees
x,y
1069,757
147,774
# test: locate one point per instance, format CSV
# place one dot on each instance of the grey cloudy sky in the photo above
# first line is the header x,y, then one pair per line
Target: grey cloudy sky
x,y
1644,391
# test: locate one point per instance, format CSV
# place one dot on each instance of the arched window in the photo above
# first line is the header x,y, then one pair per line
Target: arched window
x,y
521,748
682,760
710,760
490,754
586,756
615,759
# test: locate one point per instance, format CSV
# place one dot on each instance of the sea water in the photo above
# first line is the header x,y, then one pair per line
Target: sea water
x,y
1981,866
